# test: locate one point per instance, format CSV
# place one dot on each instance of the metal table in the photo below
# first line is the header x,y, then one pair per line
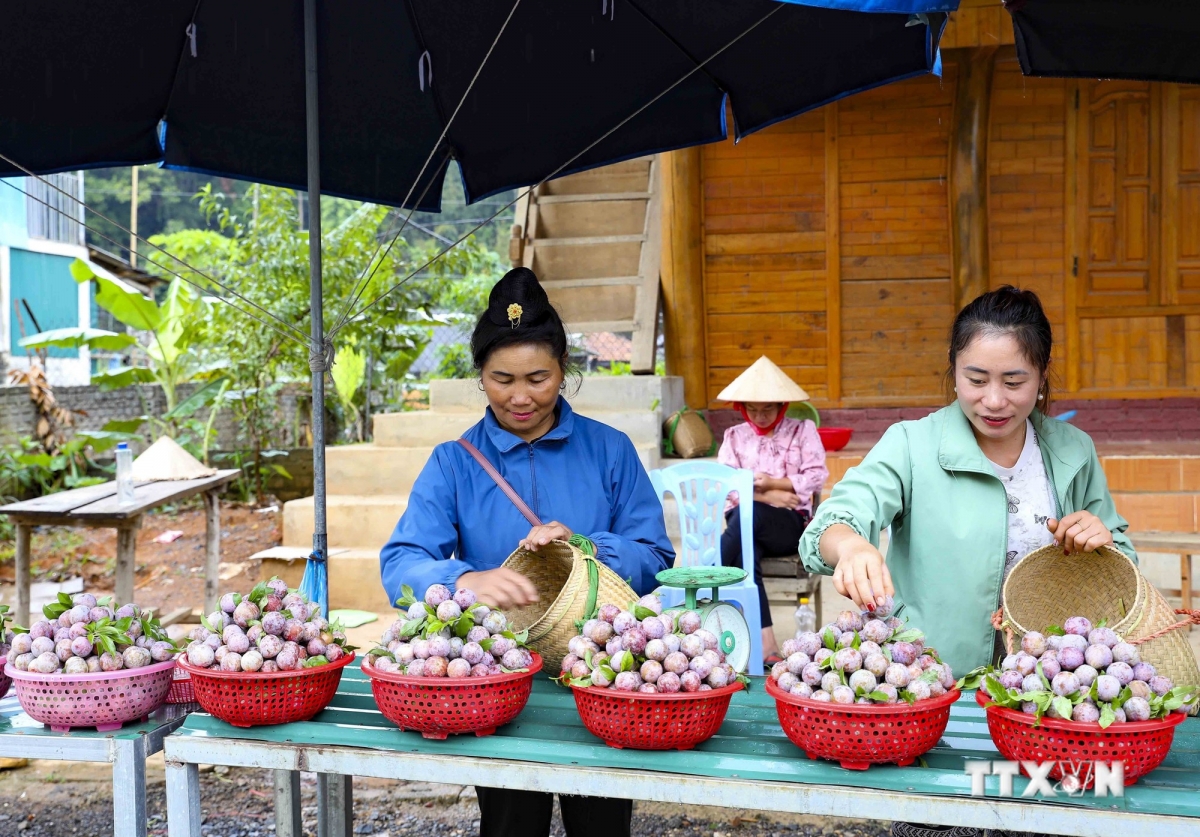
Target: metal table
x,y
748,764
125,749
96,507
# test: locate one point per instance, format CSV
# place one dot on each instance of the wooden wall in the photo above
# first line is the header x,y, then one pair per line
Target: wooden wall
x,y
828,242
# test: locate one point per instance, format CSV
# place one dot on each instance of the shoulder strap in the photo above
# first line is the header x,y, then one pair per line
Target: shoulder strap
x,y
508,490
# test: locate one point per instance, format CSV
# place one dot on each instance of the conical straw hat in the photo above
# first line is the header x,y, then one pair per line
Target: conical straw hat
x,y
166,460
763,382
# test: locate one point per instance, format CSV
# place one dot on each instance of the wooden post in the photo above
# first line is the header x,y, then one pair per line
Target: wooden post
x,y
212,548
24,535
968,175
684,317
126,561
833,258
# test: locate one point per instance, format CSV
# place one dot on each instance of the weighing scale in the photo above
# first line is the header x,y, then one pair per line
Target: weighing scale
x,y
723,619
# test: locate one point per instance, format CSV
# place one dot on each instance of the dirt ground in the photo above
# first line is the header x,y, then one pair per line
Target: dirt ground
x,y
169,575
56,799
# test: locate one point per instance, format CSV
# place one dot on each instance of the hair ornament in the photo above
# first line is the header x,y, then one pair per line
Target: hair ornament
x,y
514,314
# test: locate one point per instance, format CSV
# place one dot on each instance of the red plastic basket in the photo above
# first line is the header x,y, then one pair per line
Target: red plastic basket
x,y
253,699
834,438
181,688
857,736
676,721
1075,746
438,707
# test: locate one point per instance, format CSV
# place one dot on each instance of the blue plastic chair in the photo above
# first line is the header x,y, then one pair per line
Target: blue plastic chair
x,y
700,489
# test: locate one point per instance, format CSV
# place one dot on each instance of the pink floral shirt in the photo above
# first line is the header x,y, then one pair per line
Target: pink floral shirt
x,y
794,452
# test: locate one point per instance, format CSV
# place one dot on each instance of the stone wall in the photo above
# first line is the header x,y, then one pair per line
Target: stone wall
x,y
94,408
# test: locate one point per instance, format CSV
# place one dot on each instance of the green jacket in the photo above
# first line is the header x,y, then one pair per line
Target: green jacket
x,y
948,512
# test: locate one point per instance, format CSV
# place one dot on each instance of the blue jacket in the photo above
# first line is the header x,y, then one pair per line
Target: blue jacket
x,y
584,474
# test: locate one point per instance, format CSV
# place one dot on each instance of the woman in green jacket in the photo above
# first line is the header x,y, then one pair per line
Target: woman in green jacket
x,y
967,492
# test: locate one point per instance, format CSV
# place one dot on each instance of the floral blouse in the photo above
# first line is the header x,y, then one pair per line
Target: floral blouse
x,y
794,452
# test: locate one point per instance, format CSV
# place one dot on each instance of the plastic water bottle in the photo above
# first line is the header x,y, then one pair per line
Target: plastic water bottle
x,y
806,617
124,475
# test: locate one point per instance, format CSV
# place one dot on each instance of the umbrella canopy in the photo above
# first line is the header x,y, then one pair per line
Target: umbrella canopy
x,y
1146,40
217,86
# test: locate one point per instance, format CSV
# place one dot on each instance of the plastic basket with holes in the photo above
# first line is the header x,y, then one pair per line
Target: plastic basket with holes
x,y
255,699
1073,746
181,687
674,721
106,700
857,736
5,680
438,707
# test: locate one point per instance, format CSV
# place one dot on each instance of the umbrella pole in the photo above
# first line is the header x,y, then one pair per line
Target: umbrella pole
x,y
316,581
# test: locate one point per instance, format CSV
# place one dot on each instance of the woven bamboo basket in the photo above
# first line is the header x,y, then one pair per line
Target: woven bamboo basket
x,y
571,586
1047,586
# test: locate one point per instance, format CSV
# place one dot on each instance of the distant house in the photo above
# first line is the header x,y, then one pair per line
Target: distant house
x,y
38,243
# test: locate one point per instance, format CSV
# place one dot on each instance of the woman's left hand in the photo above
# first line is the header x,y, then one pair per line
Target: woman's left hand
x,y
539,536
1080,531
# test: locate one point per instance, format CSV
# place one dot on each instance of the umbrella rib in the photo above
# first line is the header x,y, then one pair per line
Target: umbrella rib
x,y
357,292
122,228
552,174
180,276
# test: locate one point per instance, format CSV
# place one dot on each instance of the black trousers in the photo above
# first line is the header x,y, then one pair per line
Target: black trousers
x,y
519,813
776,534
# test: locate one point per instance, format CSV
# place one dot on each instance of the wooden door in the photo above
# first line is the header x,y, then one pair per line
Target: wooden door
x,y
1119,177
1181,195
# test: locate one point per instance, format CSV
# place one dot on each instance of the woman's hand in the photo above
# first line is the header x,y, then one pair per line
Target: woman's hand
x,y
779,499
501,587
859,571
539,536
1080,531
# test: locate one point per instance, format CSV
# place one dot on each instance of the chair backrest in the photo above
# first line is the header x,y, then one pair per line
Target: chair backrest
x,y
804,410
700,489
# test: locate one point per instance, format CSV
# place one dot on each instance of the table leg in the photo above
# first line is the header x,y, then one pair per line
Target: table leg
x,y
212,549
24,535
126,563
129,788
183,799
287,804
335,805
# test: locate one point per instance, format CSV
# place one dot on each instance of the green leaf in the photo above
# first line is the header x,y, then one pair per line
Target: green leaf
x,y
487,643
407,592
463,626
587,658
856,643
1054,630
640,612
878,696
973,678
607,671
522,637
64,599
202,397
348,373
260,593
1126,694
1063,707
110,379
102,440
411,627
908,635
125,425
829,639
119,299
583,684
75,338
1107,716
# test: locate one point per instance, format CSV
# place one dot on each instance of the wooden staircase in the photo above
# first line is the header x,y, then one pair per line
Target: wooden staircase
x,y
594,240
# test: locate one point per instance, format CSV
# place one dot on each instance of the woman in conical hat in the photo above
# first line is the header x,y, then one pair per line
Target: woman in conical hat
x,y
788,461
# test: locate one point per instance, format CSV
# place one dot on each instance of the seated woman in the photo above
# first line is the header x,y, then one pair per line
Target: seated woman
x,y
788,461
578,474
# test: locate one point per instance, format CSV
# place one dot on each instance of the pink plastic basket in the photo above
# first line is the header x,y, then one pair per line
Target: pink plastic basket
x,y
105,701
5,680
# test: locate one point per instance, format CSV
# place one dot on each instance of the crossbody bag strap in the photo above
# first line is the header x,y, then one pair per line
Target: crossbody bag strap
x,y
508,490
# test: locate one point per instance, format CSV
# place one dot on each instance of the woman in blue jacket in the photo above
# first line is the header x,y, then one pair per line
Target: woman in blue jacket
x,y
578,474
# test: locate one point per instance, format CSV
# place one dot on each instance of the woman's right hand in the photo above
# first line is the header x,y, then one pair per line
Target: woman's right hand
x,y
860,572
501,588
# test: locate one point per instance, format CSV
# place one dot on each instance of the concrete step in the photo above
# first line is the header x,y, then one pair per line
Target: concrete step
x,y
378,471
597,393
357,520
353,575
432,427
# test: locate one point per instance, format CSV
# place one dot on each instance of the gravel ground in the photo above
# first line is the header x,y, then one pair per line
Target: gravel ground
x,y
41,801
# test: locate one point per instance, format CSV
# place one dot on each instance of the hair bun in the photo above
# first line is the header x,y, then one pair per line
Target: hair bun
x,y
519,286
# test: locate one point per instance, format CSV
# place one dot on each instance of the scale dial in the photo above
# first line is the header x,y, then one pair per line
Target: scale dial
x,y
733,634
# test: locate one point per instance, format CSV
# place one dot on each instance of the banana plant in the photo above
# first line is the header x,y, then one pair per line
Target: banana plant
x,y
167,354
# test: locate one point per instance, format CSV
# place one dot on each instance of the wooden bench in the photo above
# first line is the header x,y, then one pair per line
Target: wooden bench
x,y
1186,544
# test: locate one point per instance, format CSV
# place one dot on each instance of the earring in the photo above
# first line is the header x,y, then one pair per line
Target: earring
x,y
956,389
1040,396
